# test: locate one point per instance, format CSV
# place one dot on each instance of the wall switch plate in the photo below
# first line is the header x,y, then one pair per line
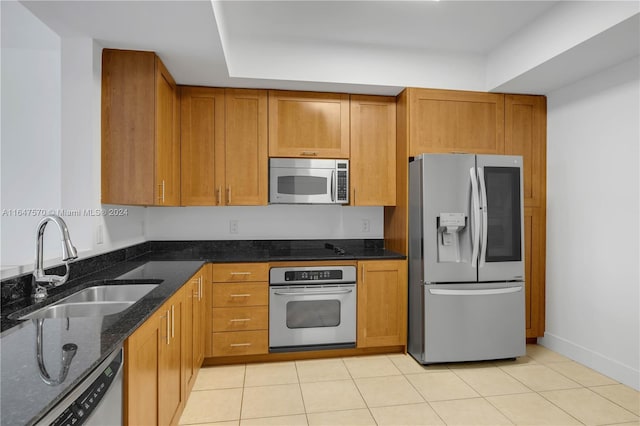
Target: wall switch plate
x,y
233,226
366,226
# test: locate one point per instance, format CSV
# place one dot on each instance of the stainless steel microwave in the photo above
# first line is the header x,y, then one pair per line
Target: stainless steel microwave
x,y
308,181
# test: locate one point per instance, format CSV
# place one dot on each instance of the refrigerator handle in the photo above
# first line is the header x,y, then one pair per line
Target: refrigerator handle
x,y
475,213
485,217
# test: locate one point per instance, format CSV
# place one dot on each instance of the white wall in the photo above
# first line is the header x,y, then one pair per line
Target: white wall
x,y
593,281
31,131
275,222
51,143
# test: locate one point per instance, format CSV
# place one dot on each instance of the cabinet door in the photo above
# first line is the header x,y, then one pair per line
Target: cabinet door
x,y
189,368
308,124
141,375
525,134
382,303
246,173
373,151
202,146
167,138
443,121
171,391
534,251
128,140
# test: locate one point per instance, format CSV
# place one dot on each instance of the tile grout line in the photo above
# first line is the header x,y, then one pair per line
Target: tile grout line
x,y
358,389
304,406
611,400
538,392
420,393
244,380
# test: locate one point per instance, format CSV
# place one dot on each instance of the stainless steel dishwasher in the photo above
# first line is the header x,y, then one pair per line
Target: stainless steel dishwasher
x,y
97,400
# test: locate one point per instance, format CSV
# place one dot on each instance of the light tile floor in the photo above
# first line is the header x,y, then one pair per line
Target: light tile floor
x,y
542,388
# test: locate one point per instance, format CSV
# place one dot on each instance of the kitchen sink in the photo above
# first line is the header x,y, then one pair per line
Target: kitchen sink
x,y
111,293
81,309
96,301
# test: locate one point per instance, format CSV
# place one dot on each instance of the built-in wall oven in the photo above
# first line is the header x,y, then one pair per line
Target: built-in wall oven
x,y
312,308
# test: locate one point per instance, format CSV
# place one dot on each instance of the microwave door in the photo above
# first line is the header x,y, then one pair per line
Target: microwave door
x,y
304,186
443,186
501,256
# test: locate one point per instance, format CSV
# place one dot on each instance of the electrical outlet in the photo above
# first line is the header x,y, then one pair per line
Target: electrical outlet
x,y
99,235
233,226
366,226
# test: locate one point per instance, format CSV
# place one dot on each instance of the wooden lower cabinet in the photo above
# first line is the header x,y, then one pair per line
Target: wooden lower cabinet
x,y
195,297
534,261
382,303
141,374
240,309
155,389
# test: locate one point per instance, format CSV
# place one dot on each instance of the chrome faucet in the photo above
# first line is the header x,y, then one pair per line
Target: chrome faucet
x,y
40,280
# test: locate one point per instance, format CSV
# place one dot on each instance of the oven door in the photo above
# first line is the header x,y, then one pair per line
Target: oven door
x,y
312,317
302,185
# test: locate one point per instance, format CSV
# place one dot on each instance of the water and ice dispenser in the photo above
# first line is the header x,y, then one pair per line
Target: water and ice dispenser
x,y
450,226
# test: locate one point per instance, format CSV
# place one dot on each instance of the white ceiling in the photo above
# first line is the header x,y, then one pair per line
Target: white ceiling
x,y
374,47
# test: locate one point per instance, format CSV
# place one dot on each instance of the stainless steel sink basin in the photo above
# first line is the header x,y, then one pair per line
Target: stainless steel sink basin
x,y
82,309
111,293
97,301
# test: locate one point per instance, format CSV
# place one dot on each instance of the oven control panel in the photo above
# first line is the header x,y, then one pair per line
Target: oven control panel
x,y
319,275
312,275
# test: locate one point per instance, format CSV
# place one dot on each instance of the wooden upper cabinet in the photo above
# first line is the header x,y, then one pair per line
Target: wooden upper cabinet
x,y
373,151
202,145
442,121
246,161
308,124
525,134
140,140
224,146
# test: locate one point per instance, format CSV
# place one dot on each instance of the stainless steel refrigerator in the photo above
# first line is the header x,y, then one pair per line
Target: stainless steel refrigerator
x,y
466,258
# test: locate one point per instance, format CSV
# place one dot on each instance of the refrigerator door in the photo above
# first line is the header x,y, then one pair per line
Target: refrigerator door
x,y
501,255
470,322
441,185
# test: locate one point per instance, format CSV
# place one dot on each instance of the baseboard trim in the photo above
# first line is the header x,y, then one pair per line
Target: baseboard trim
x,y
609,367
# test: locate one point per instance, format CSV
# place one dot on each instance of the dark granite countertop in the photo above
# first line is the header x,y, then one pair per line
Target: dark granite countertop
x,y
25,397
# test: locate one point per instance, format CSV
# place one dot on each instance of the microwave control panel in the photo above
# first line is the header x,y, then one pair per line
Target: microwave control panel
x,y
342,189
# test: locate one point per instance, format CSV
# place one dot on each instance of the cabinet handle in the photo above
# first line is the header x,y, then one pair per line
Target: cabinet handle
x,y
173,321
218,195
309,153
240,320
240,295
240,273
229,195
167,329
200,288
235,345
362,274
353,202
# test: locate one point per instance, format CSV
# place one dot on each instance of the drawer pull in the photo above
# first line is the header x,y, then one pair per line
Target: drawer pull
x,y
240,295
240,273
235,345
309,153
240,320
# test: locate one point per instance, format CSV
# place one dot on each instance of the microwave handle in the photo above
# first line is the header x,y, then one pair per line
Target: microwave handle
x,y
333,186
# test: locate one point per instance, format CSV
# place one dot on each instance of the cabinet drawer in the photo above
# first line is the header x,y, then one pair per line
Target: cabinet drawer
x,y
239,272
236,295
240,343
241,319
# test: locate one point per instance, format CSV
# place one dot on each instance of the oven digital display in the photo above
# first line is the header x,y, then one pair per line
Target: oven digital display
x,y
312,275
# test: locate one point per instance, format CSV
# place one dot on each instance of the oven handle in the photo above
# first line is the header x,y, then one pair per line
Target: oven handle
x,y
311,293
